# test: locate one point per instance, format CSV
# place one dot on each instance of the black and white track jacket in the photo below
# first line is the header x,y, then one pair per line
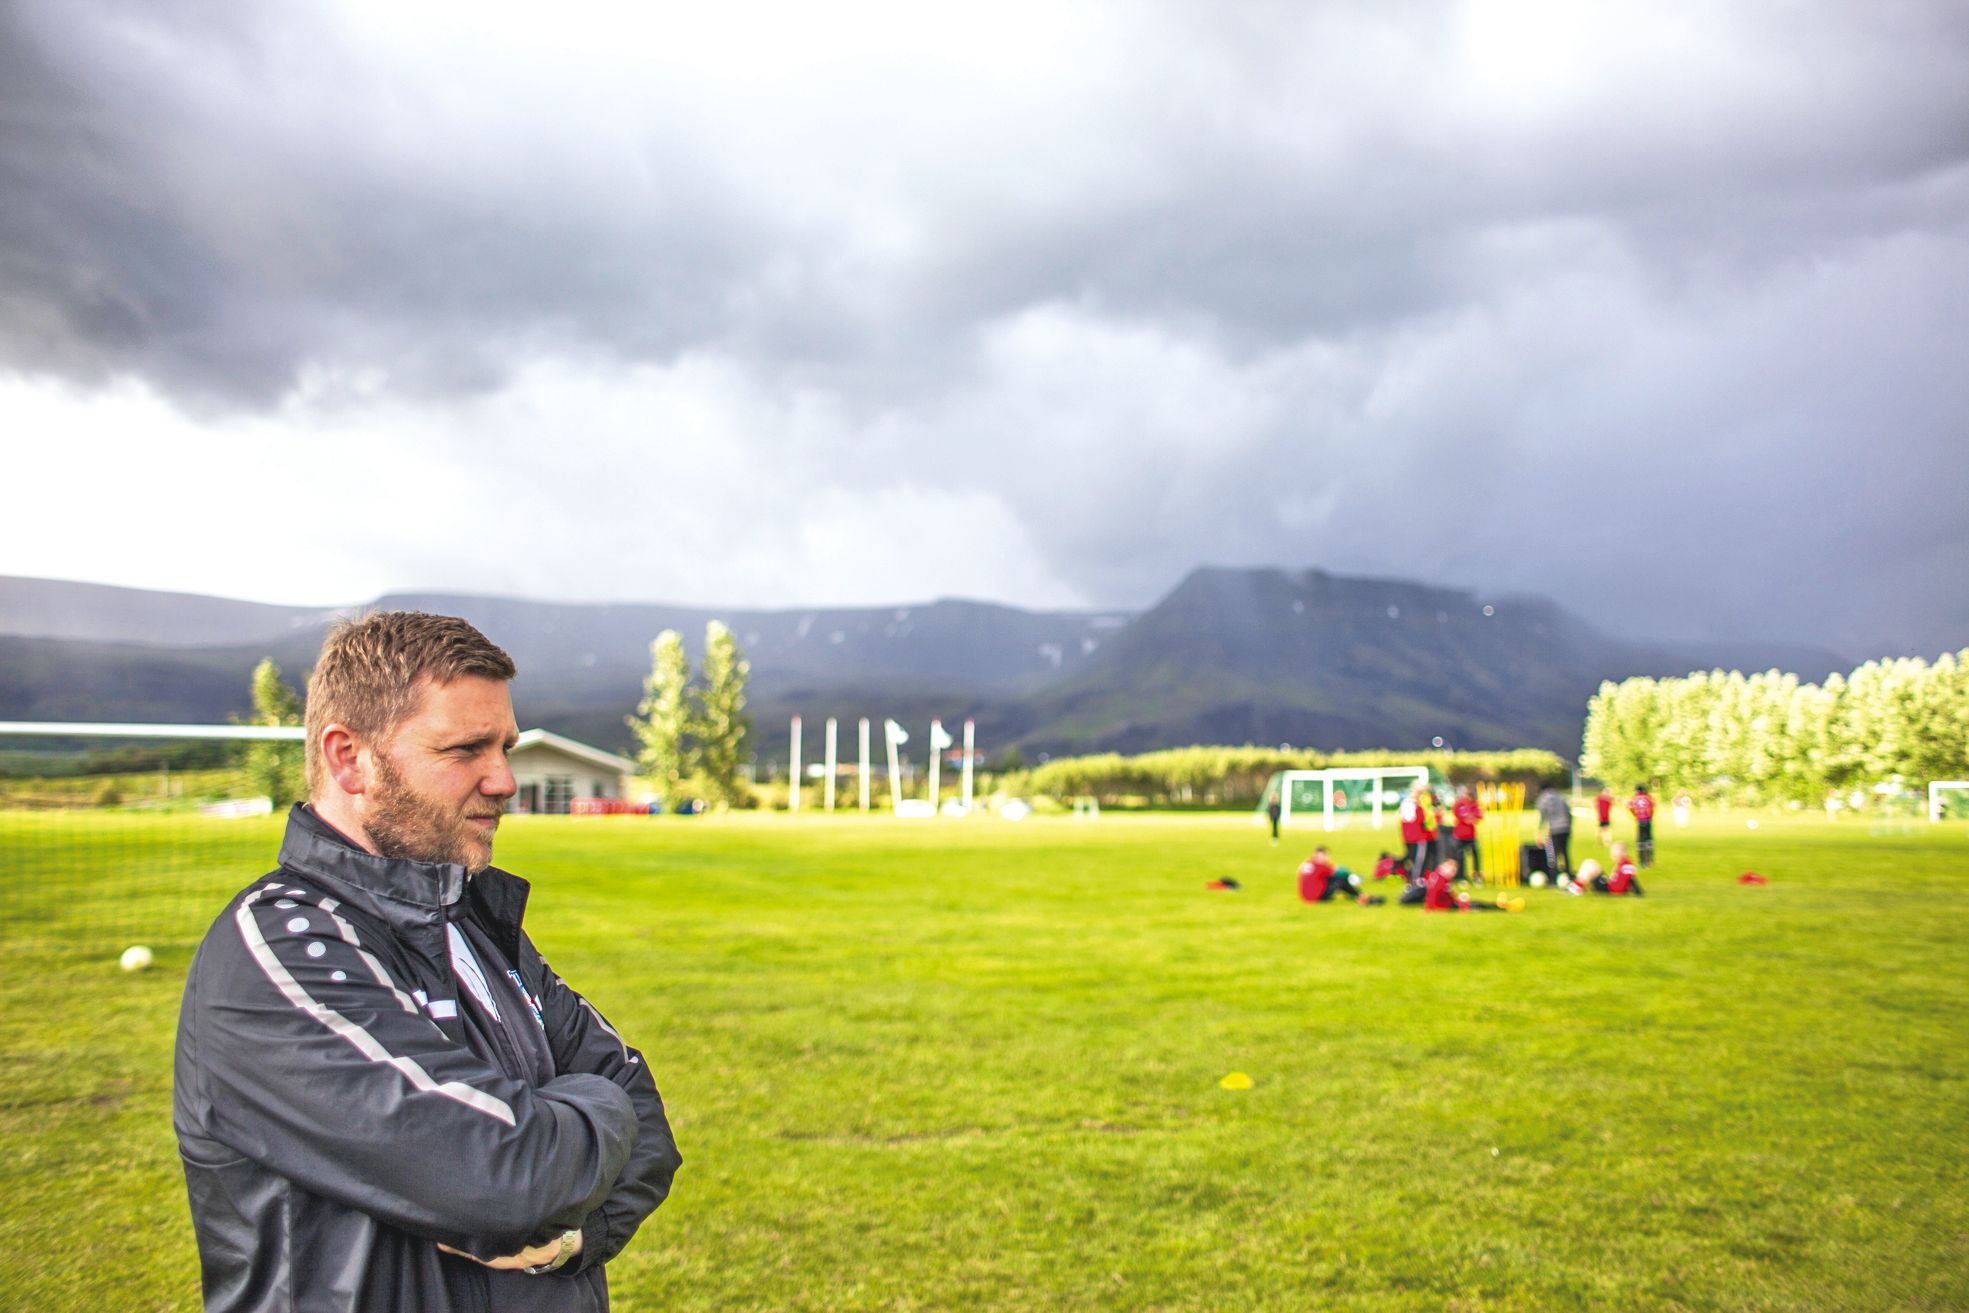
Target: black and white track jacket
x,y
372,1059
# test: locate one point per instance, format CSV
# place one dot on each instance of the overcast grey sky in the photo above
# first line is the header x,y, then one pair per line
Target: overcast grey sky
x,y
1658,308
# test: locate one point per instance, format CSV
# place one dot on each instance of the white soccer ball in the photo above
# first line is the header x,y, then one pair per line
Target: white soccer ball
x,y
135,958
1751,823
1538,879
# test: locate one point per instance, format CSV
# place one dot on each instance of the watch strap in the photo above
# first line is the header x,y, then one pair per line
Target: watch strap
x,y
560,1257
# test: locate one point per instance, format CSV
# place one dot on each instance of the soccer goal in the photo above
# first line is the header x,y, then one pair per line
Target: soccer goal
x,y
1948,798
1340,793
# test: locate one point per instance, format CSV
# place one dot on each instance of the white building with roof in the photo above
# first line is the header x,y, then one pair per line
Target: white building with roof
x,y
553,771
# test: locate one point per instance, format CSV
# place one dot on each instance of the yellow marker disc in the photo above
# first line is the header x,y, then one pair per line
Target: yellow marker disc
x,y
1237,1080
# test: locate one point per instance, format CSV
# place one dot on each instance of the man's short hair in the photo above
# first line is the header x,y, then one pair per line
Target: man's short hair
x,y
370,668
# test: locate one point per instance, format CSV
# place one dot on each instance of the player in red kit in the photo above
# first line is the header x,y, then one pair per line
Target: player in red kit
x,y
1321,881
1468,812
1624,880
1603,808
1642,805
1439,894
1417,830
1319,878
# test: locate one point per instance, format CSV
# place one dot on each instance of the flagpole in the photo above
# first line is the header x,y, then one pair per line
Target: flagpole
x,y
937,741
829,790
793,771
864,763
970,753
891,732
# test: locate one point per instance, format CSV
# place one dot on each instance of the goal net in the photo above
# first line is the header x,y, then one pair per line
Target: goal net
x,y
1334,798
1948,800
116,835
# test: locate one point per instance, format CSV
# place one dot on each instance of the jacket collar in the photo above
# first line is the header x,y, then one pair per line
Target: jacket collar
x,y
398,890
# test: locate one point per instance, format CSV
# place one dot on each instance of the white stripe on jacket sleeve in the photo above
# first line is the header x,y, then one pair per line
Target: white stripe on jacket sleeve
x,y
364,1043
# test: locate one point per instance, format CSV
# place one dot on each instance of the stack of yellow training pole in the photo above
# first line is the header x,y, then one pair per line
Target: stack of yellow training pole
x,y
1501,832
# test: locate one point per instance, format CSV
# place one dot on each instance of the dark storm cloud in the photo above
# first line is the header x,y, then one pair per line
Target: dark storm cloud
x,y
1657,310
179,211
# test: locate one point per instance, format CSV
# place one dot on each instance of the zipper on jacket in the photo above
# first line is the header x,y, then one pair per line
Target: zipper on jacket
x,y
518,1065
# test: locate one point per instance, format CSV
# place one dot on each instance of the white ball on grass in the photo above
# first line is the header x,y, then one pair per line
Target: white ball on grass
x,y
135,958
1538,879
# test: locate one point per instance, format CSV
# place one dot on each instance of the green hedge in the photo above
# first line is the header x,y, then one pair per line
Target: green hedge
x,y
1228,777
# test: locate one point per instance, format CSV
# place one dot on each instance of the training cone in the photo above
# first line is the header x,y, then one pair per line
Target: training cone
x,y
1237,1080
1751,877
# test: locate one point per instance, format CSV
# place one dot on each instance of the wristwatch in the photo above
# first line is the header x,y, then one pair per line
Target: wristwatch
x,y
568,1241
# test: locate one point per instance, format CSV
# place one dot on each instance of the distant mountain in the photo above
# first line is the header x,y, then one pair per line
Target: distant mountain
x,y
998,650
72,651
1309,658
582,666
55,608
1246,655
65,679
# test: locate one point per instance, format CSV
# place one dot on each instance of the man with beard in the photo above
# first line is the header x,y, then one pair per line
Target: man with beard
x,y
384,1097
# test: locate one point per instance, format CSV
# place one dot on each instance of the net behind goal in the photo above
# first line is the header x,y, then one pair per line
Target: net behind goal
x,y
1335,798
113,836
1948,800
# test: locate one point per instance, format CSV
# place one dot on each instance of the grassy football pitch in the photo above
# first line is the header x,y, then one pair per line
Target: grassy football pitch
x,y
975,1065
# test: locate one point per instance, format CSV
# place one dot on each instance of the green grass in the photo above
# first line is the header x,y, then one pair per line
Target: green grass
x,y
975,1065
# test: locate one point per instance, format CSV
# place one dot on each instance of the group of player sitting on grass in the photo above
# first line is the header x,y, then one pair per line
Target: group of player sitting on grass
x,y
1440,888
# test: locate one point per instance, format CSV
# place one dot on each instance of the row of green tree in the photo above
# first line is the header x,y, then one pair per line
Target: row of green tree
x,y
1770,737
1202,776
691,733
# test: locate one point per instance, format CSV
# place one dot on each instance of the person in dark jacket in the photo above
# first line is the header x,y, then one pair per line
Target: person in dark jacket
x,y
1446,846
384,1097
1555,813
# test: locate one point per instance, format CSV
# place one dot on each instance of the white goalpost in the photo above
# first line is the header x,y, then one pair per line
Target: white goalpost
x,y
1936,788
